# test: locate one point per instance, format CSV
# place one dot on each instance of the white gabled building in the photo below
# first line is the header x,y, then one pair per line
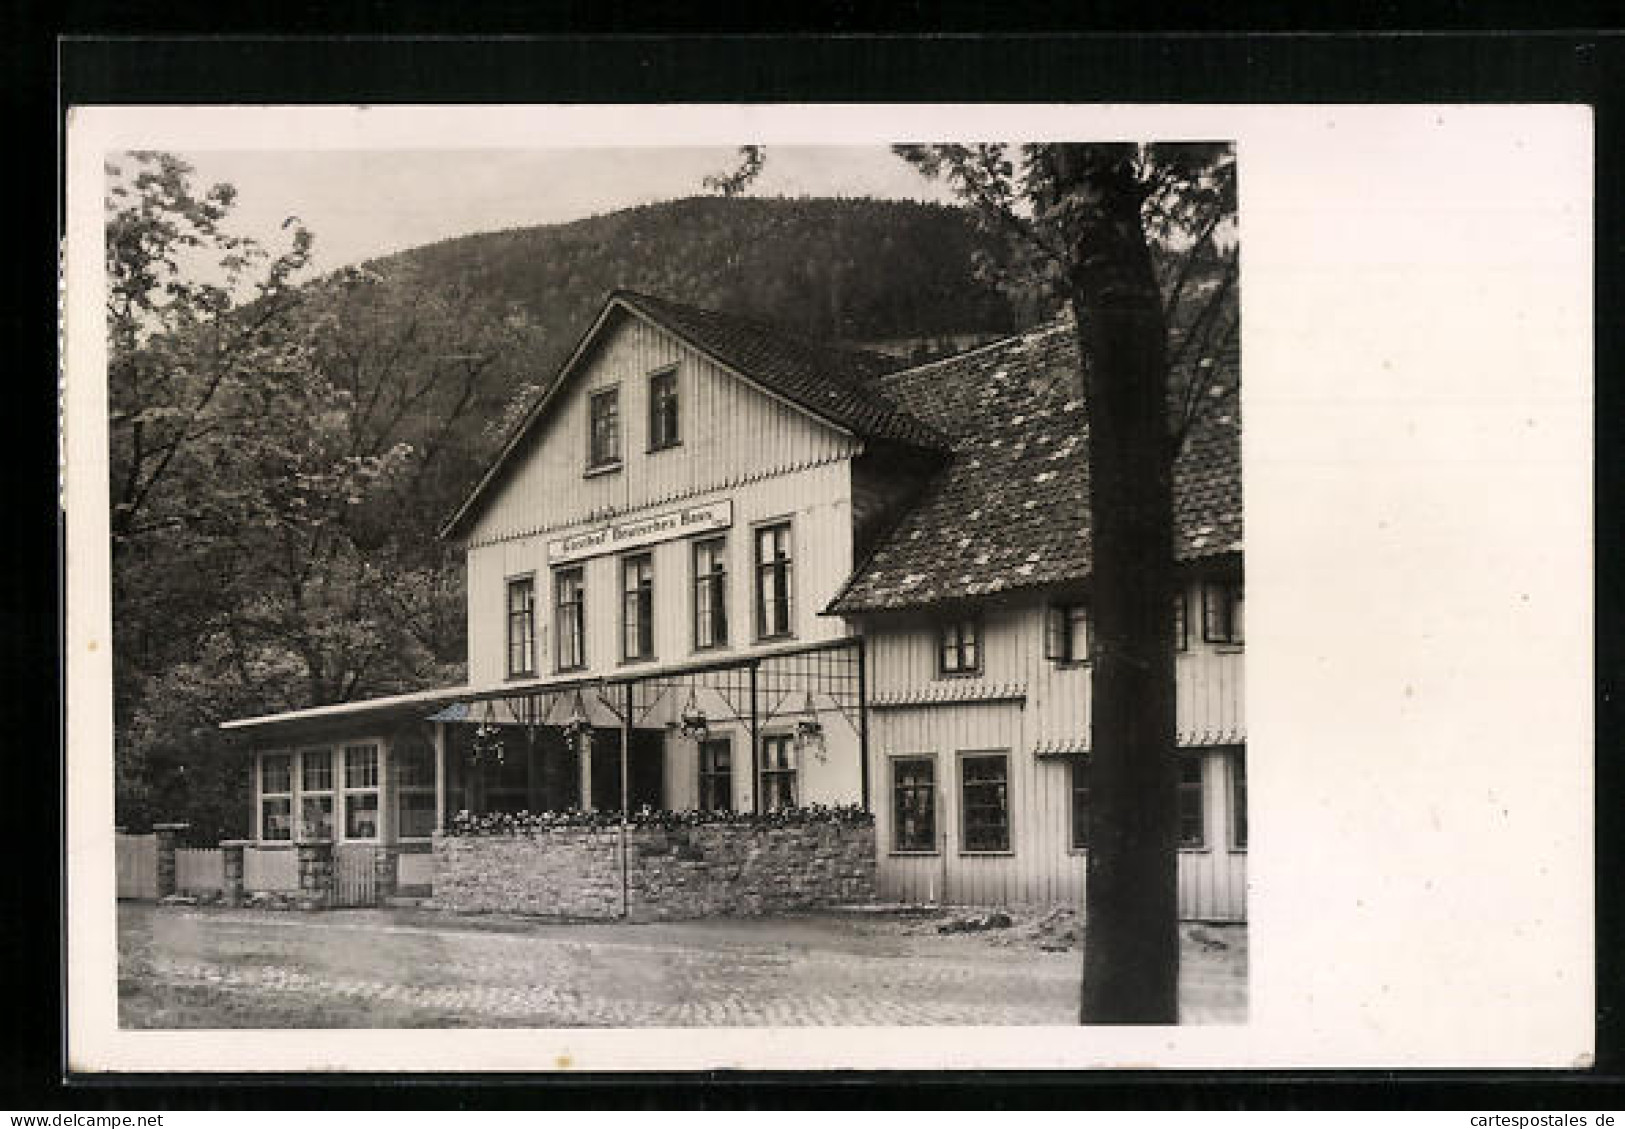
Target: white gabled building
x,y
870,582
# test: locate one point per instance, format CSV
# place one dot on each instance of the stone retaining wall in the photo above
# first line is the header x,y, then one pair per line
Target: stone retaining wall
x,y
709,871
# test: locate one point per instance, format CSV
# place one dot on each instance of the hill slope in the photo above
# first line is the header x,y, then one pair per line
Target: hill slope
x,y
835,269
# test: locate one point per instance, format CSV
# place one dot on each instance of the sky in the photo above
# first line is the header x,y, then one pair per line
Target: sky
x,y
360,204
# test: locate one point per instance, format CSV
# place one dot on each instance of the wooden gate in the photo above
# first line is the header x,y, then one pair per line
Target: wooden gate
x,y
355,882
137,866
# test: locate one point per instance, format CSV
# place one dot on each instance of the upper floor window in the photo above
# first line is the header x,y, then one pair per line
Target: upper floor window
x,y
1181,628
710,593
1192,802
959,646
522,625
663,420
604,437
1066,633
569,592
774,581
637,607
1222,612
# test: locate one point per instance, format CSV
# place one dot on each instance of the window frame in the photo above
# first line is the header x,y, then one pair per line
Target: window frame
x,y
289,755
710,776
1181,789
578,637
304,792
975,621
1238,799
720,595
1223,596
1182,620
610,393
897,761
964,757
1060,617
1079,764
786,740
642,597
374,790
760,569
400,789
656,443
510,584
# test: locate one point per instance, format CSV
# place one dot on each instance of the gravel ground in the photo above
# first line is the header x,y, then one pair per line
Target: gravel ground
x,y
207,967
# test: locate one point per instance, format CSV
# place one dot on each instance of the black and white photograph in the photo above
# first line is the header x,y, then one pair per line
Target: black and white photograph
x,y
713,583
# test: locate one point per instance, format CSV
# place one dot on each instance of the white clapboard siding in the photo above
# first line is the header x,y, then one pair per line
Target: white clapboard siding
x,y
1035,708
731,433
816,499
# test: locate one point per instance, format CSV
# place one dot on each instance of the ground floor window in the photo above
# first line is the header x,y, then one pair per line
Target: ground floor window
x,y
1081,818
778,772
716,774
276,796
361,791
412,765
316,794
914,804
1238,799
1192,802
984,795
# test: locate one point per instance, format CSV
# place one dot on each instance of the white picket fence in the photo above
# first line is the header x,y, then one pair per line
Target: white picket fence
x,y
270,869
136,863
199,869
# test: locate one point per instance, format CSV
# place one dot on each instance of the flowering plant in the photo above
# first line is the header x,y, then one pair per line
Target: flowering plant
x,y
529,824
488,743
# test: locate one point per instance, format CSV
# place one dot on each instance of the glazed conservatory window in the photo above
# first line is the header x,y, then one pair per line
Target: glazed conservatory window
x,y
663,430
1066,634
637,607
914,805
710,593
1192,806
522,625
276,796
778,772
959,647
316,794
414,790
716,775
361,791
604,444
774,581
569,592
984,797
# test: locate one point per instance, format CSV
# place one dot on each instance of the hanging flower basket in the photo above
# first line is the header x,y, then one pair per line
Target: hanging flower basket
x,y
693,725
488,744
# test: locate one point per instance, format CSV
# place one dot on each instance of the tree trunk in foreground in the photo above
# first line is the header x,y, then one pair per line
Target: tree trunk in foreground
x,y
1131,931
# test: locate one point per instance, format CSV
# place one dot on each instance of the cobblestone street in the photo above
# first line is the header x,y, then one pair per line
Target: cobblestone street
x,y
186,967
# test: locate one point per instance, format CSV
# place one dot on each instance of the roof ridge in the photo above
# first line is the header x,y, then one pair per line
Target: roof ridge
x,y
1053,325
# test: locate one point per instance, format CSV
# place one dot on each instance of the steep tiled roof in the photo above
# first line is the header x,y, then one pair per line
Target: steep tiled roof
x,y
1009,510
835,383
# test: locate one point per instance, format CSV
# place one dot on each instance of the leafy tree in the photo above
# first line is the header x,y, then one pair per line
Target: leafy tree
x,y
1135,240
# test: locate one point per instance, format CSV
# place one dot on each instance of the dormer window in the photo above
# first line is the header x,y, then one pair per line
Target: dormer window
x,y
959,646
663,419
604,430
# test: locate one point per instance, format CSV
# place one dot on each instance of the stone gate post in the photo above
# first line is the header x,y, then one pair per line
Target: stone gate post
x,y
169,838
315,873
231,854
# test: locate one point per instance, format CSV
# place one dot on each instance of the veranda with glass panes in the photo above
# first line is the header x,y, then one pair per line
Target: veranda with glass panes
x,y
371,790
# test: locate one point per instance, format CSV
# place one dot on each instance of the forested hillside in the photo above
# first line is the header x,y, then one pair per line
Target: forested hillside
x,y
283,449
